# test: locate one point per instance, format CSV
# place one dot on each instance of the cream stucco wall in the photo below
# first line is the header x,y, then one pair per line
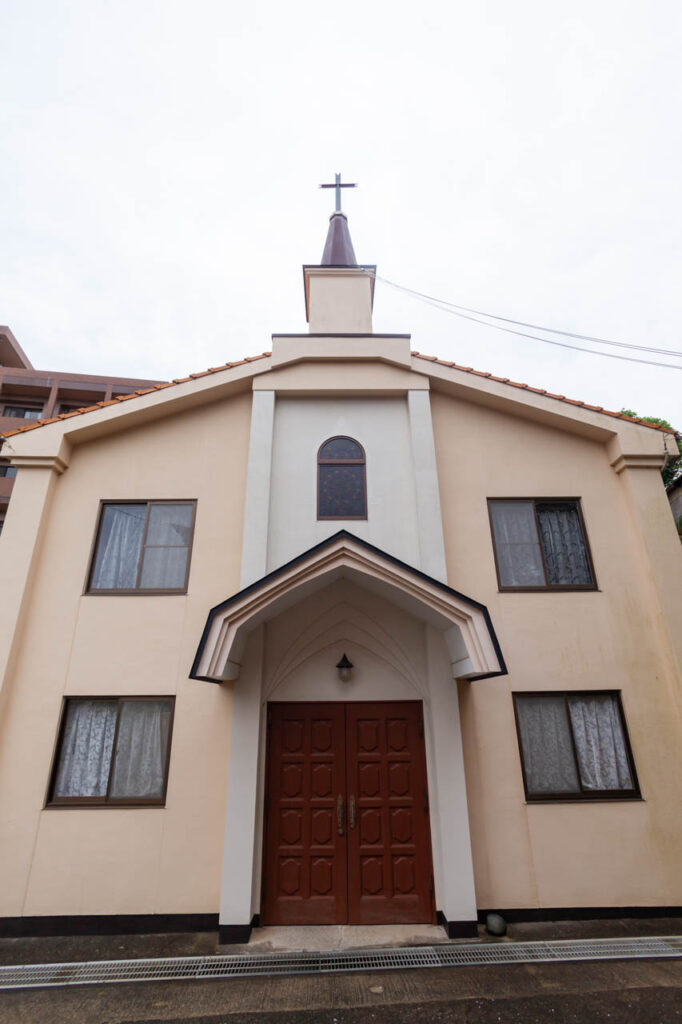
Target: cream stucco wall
x,y
381,426
619,853
118,861
625,636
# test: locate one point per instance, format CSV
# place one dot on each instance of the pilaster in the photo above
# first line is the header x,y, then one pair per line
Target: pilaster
x,y
257,503
657,546
239,853
20,545
452,859
429,521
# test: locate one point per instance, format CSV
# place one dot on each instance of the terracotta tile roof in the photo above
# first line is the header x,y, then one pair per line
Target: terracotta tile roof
x,y
133,394
34,424
540,391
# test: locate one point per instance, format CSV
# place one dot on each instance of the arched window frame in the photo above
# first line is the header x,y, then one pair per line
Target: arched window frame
x,y
362,461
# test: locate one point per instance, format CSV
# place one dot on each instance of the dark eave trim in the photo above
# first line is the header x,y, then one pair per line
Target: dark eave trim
x,y
327,542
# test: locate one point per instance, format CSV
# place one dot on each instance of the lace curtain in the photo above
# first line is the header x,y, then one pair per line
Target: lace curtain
x,y
516,543
139,761
118,549
563,544
546,724
164,562
600,743
122,542
520,548
547,748
86,748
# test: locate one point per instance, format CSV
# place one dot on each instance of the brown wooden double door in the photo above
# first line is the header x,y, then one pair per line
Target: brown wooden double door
x,y
347,836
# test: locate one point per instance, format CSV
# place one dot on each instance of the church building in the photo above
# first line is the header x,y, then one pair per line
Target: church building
x,y
400,643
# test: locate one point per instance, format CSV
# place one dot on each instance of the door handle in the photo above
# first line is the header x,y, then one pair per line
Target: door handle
x,y
351,811
339,814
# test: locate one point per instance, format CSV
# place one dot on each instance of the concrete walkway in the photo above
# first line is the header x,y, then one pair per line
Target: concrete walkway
x,y
321,938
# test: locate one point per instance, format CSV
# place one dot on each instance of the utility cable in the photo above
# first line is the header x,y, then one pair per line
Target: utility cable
x,y
535,327
448,307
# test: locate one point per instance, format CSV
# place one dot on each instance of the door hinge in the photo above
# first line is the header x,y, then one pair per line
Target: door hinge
x,y
269,718
421,728
426,802
431,884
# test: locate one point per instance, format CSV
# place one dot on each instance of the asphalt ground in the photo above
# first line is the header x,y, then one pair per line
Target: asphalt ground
x,y
637,1005
593,992
617,992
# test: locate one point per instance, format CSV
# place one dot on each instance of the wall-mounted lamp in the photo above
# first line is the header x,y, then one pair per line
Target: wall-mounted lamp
x,y
345,668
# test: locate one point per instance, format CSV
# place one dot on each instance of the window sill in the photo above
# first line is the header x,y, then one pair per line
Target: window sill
x,y
87,806
135,593
585,800
549,590
342,519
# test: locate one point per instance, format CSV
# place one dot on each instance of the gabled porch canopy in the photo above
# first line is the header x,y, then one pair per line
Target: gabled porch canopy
x,y
468,631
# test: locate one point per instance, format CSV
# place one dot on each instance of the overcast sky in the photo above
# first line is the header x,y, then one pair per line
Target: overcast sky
x,y
160,162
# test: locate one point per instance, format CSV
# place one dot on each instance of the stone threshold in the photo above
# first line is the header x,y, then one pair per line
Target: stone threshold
x,y
324,938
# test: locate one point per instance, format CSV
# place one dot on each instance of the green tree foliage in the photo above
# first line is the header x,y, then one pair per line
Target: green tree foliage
x,y
673,469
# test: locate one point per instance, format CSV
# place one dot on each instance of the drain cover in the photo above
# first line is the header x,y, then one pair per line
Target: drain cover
x,y
245,965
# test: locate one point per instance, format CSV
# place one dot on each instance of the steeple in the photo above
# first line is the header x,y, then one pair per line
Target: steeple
x,y
338,249
338,292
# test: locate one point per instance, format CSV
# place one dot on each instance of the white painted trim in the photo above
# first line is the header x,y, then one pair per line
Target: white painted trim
x,y
429,521
451,847
368,348
257,502
239,849
452,861
468,633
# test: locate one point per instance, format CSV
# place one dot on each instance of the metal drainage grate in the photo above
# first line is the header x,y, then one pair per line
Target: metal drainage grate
x,y
248,965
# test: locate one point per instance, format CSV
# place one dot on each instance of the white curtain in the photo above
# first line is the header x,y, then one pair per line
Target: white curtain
x,y
86,748
599,742
165,556
516,543
118,549
563,544
546,742
141,748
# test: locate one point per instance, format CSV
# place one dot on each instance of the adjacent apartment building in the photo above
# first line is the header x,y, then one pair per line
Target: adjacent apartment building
x,y
27,395
401,643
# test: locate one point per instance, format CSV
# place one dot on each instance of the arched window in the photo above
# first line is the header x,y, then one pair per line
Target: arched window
x,y
341,481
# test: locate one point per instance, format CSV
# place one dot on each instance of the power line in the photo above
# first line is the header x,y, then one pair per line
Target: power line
x,y
449,307
535,327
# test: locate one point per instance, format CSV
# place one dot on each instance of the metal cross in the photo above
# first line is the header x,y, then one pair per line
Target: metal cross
x,y
338,186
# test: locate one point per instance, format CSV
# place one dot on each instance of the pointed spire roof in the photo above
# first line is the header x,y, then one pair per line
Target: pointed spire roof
x,y
338,249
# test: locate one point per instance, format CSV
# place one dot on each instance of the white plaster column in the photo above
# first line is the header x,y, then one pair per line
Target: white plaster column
x,y
660,554
242,788
429,521
452,860
257,504
20,549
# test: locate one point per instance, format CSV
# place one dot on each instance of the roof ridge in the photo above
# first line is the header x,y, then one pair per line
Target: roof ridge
x,y
541,391
264,355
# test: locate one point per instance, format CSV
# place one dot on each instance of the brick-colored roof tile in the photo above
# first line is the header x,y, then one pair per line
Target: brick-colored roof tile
x,y
547,394
264,355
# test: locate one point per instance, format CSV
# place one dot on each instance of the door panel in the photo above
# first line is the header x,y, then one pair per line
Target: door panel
x,y
389,852
371,757
305,857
